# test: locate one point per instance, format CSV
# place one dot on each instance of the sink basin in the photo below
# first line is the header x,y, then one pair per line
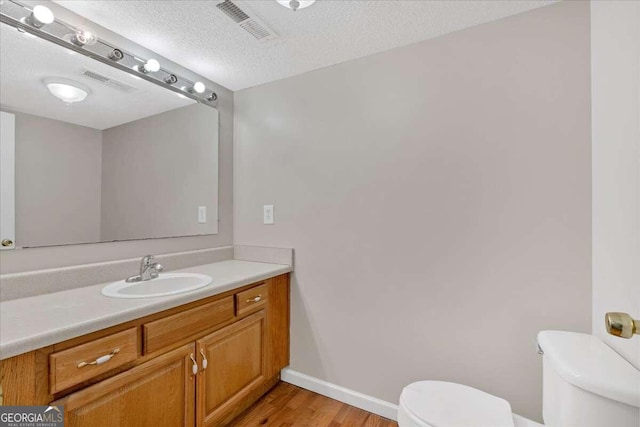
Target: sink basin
x,y
165,284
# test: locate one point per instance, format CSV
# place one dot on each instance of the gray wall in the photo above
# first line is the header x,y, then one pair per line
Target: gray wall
x,y
438,200
57,182
157,171
41,258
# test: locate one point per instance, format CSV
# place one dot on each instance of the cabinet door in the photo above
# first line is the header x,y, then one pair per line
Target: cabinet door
x,y
158,393
235,367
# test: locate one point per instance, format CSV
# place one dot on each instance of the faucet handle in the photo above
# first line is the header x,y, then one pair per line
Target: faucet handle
x,y
147,260
154,270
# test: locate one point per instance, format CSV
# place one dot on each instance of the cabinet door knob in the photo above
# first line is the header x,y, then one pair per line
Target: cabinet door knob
x,y
204,359
7,242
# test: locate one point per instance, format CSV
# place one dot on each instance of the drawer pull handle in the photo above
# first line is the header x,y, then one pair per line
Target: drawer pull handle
x,y
204,360
194,367
256,299
100,360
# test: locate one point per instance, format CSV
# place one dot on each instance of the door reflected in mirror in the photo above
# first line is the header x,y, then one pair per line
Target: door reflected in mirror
x,y
99,154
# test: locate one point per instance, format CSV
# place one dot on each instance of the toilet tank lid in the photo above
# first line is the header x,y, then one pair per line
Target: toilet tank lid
x,y
588,363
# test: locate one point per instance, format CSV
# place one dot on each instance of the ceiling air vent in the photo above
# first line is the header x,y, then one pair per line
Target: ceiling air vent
x,y
230,9
243,18
108,81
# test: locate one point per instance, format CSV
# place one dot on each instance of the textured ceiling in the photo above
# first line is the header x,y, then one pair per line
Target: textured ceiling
x,y
26,60
198,36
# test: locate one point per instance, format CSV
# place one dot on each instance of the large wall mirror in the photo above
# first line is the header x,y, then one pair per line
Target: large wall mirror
x,y
99,154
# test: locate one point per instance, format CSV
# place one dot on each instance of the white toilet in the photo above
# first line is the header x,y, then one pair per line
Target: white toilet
x,y
586,384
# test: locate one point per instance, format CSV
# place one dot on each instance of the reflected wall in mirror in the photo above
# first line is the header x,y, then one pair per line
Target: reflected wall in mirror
x,y
99,154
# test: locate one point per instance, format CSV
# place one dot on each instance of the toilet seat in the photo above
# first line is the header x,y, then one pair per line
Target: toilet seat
x,y
444,404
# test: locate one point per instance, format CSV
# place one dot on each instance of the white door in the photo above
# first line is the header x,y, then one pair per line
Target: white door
x,y
7,180
615,73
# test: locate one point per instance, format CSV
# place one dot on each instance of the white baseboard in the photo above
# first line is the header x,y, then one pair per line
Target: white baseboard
x,y
345,395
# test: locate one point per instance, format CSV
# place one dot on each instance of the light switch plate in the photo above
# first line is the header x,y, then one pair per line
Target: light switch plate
x,y
202,214
268,214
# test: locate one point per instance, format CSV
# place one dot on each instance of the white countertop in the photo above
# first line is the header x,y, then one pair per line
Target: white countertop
x,y
27,324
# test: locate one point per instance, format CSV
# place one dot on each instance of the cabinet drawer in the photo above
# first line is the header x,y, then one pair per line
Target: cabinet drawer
x,y
77,364
251,299
168,330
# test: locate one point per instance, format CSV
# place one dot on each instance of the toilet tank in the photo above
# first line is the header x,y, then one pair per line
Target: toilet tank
x,y
586,383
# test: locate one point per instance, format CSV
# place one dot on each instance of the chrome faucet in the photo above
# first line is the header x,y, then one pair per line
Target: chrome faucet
x,y
148,270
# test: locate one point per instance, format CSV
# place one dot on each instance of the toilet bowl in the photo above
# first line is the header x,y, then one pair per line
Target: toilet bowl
x,y
586,384
445,404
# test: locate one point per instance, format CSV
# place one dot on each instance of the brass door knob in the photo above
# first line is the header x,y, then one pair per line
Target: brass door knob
x,y
621,325
7,242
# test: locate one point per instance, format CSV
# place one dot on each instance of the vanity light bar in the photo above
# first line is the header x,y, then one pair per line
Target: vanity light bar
x,y
21,17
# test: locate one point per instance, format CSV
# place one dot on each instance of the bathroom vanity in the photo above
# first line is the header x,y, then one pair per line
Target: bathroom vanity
x,y
136,158
199,363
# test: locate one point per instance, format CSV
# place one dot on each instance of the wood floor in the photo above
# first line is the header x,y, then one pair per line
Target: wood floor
x,y
291,406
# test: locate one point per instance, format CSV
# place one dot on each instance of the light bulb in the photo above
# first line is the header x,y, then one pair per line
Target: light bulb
x,y
84,37
171,79
199,87
116,55
151,66
40,16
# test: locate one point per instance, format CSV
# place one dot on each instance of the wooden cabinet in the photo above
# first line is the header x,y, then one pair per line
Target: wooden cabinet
x,y
235,366
200,364
158,393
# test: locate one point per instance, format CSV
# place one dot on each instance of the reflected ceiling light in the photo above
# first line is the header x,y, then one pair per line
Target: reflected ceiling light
x,y
84,37
67,91
40,16
296,4
197,87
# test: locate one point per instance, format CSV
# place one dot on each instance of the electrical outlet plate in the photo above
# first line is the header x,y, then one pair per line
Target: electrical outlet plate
x,y
268,214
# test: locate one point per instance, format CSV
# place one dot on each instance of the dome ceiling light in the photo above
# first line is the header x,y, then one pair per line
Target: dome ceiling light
x,y
296,4
67,91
